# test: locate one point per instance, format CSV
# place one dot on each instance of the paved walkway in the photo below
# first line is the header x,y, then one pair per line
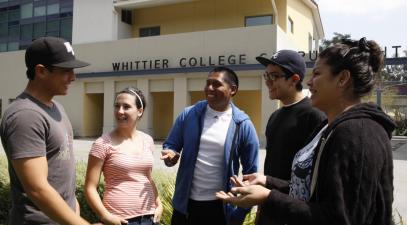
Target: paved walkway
x,y
399,144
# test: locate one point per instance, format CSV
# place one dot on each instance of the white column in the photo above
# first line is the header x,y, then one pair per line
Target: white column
x,y
267,108
146,122
181,97
316,44
108,101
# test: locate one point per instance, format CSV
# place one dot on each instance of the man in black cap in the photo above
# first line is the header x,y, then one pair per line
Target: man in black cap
x,y
289,127
37,137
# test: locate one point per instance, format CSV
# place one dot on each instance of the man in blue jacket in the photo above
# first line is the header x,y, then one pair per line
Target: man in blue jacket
x,y
213,135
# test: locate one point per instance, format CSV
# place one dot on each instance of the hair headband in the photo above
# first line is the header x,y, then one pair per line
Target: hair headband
x,y
138,96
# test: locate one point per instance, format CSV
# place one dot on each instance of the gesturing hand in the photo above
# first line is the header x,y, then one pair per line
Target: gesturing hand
x,y
170,157
254,178
246,196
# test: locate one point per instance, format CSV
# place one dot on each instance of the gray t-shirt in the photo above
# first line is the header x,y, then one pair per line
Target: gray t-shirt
x,y
28,129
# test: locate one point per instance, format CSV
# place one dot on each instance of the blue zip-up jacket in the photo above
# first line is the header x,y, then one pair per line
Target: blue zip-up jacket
x,y
185,136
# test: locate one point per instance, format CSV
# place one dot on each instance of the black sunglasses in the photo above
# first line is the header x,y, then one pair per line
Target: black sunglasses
x,y
272,76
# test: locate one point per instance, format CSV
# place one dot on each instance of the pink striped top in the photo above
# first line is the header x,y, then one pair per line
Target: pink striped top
x,y
128,190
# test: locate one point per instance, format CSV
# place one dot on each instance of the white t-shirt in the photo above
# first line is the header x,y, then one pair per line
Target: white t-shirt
x,y
209,166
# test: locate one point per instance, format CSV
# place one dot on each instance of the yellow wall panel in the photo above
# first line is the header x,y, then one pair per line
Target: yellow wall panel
x,y
199,15
196,96
163,113
93,115
250,103
303,23
282,14
121,85
94,87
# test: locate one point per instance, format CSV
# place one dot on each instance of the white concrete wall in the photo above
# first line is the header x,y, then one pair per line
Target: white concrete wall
x,y
123,30
285,41
94,21
12,76
250,41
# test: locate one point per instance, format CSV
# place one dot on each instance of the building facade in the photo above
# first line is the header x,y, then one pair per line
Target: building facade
x,y
24,20
166,49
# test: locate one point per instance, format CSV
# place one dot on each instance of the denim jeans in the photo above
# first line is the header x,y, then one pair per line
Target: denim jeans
x,y
142,220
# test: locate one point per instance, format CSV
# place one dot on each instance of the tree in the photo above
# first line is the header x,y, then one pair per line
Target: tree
x,y
338,37
395,73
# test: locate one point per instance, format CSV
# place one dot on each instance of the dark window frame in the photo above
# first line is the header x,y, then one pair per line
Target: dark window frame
x,y
259,16
291,24
127,16
149,31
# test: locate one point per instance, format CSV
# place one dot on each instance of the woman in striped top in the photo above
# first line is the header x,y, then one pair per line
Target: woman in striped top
x,y
125,157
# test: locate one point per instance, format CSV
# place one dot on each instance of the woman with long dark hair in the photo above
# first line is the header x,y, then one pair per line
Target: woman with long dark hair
x,y
345,174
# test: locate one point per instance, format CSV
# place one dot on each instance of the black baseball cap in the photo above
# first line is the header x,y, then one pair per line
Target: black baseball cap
x,y
52,51
289,60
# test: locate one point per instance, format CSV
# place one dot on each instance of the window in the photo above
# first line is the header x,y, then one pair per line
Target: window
x,y
3,16
66,28
14,15
14,32
21,21
39,29
53,25
39,11
3,30
12,46
149,31
26,11
53,9
290,25
127,16
66,6
258,20
26,32
3,47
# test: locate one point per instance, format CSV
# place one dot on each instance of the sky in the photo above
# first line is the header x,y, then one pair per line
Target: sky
x,y
384,21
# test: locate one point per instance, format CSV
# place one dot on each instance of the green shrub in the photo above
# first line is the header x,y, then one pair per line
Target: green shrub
x,y
5,204
86,211
397,219
164,181
401,127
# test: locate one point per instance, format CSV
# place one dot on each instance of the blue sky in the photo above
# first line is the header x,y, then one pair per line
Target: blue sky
x,y
382,20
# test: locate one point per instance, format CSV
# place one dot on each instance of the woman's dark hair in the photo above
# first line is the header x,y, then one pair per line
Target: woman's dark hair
x,y
362,58
138,96
230,75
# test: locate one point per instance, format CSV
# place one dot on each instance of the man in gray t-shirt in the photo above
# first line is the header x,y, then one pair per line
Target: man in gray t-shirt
x,y
37,137
32,129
